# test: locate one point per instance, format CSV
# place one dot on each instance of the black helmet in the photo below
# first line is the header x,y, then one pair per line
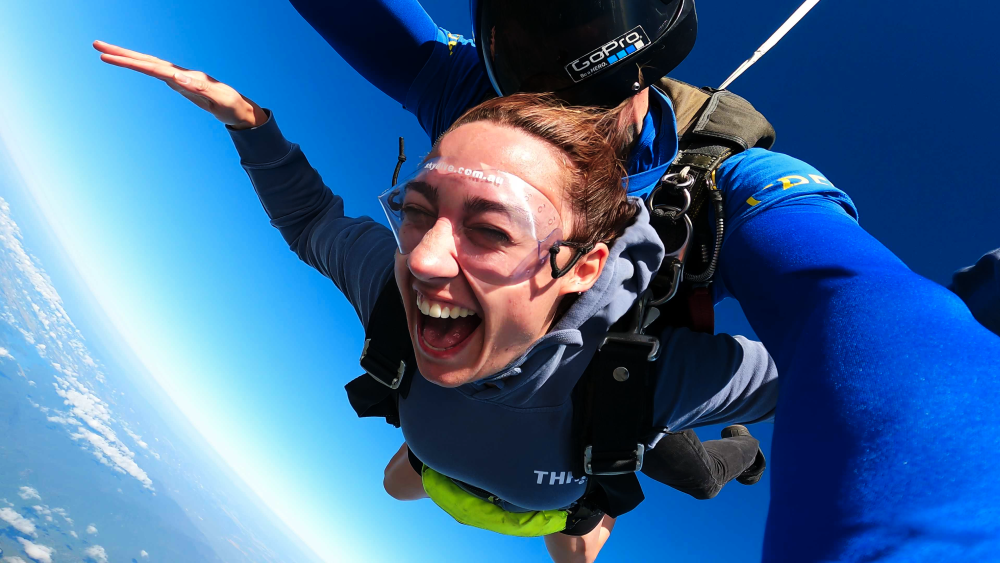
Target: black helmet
x,y
588,52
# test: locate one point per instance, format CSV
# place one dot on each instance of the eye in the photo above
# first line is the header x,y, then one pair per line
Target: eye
x,y
417,216
487,236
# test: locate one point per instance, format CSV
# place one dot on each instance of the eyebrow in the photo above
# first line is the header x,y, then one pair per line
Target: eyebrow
x,y
424,189
475,205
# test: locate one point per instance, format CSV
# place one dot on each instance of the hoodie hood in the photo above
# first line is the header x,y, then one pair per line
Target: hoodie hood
x,y
547,372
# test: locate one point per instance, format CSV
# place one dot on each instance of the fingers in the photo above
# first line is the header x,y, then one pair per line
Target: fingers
x,y
156,70
110,49
220,100
172,75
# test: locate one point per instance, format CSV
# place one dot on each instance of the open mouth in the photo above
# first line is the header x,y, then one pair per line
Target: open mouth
x,y
443,328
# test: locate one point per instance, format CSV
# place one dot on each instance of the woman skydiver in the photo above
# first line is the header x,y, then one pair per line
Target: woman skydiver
x,y
501,325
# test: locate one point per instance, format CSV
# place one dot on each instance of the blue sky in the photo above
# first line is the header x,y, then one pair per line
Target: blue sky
x,y
145,194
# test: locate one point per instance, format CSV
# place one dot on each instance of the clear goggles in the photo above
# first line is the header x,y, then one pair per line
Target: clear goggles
x,y
503,229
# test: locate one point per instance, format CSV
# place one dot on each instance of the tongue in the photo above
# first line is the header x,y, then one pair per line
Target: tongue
x,y
448,332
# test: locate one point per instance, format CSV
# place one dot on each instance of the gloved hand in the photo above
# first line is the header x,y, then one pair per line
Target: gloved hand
x,y
979,287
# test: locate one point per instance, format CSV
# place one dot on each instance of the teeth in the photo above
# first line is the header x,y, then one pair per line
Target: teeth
x,y
440,311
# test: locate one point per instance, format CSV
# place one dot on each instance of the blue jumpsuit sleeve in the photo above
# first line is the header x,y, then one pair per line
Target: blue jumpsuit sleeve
x,y
452,81
387,41
394,44
710,379
355,253
979,287
872,357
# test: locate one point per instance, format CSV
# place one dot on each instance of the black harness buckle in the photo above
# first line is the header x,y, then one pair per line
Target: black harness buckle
x,y
619,464
380,369
646,340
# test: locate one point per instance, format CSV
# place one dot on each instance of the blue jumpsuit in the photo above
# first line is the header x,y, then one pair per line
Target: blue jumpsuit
x,y
887,429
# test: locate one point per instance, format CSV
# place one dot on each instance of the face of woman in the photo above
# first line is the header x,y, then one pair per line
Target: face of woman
x,y
488,324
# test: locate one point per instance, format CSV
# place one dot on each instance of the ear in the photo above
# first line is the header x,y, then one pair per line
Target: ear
x,y
586,271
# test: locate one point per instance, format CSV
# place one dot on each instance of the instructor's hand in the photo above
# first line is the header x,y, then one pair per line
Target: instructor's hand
x,y
225,103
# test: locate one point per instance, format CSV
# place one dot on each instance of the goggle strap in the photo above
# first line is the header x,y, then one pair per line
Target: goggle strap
x,y
579,249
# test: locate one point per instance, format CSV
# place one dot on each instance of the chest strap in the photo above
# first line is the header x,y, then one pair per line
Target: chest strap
x,y
616,414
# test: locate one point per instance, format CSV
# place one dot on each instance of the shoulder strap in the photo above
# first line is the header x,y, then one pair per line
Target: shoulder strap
x,y
712,125
711,113
387,359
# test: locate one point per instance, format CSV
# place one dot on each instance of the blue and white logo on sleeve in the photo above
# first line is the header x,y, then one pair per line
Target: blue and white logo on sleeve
x,y
612,52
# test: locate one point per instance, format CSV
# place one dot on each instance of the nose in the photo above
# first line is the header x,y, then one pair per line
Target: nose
x,y
435,256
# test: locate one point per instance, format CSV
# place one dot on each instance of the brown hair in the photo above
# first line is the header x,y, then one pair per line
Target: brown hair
x,y
588,139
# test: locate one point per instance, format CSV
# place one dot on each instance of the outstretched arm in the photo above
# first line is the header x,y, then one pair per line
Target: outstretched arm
x,y
436,75
870,355
386,41
356,253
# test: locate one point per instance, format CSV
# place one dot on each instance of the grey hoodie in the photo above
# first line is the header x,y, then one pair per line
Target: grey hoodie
x,y
511,433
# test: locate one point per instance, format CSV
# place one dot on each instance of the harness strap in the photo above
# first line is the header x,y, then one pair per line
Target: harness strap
x,y
618,412
702,310
713,125
617,407
387,359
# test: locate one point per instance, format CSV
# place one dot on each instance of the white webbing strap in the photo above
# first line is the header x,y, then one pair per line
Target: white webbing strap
x,y
772,41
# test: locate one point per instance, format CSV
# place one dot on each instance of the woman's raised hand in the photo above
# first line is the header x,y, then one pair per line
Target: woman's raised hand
x,y
222,101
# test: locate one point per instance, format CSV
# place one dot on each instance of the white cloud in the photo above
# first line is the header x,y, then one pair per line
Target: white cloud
x,y
73,533
18,522
67,420
43,511
27,493
13,559
143,554
136,437
10,236
4,353
107,447
37,552
96,553
91,529
62,512
114,454
44,324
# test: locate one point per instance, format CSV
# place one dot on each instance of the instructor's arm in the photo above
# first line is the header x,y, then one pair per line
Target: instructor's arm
x,y
386,41
436,75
